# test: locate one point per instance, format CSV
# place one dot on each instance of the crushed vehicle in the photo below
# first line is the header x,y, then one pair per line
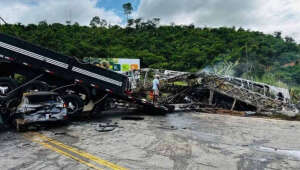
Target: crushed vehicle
x,y
84,87
38,108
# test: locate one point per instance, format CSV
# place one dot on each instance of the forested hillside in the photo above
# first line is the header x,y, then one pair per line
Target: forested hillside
x,y
187,48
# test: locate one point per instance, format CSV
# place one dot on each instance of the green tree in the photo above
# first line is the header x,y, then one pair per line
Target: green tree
x,y
175,47
127,7
95,21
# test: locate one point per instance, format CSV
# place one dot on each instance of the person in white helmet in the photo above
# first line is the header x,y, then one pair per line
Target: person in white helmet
x,y
155,88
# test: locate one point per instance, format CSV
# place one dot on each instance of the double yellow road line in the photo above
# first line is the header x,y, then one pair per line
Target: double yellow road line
x,y
73,153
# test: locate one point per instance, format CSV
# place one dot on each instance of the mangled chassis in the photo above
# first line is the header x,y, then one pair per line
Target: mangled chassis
x,y
262,97
224,86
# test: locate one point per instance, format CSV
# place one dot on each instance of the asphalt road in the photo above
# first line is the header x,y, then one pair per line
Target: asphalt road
x,y
177,141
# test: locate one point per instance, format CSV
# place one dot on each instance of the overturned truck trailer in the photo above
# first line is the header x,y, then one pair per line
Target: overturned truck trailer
x,y
40,69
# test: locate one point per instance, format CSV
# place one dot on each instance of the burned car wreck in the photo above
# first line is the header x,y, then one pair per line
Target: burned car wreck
x,y
37,108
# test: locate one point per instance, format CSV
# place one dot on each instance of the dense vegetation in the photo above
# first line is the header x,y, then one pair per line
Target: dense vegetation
x,y
259,56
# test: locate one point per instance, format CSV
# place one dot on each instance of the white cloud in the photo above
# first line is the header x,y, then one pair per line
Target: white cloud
x,y
263,15
33,11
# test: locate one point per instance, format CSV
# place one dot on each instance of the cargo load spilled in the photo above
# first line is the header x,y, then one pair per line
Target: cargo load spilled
x,y
203,89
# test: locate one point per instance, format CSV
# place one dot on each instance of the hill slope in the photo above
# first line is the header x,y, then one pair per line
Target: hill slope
x,y
184,48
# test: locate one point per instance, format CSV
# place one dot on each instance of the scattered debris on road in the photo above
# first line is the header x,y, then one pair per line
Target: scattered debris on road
x,y
135,118
168,127
106,127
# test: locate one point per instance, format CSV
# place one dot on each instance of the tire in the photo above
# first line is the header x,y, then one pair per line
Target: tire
x,y
36,86
11,84
80,89
77,90
74,104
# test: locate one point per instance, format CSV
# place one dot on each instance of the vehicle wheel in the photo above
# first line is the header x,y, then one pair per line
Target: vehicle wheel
x,y
10,84
74,104
81,91
36,86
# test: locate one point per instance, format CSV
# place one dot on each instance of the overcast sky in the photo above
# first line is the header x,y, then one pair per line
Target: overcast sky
x,y
264,15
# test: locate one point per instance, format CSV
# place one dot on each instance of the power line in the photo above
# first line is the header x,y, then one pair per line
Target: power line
x,y
3,20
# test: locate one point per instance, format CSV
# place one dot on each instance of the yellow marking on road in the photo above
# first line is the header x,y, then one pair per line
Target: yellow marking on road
x,y
76,151
62,152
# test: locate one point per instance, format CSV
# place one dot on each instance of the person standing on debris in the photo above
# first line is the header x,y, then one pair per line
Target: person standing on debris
x,y
155,88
